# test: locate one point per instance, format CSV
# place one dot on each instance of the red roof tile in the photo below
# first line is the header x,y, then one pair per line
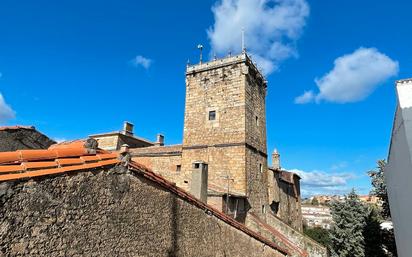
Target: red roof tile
x,y
59,158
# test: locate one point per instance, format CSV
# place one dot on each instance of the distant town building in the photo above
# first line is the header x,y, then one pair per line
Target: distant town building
x,y
317,216
325,199
370,199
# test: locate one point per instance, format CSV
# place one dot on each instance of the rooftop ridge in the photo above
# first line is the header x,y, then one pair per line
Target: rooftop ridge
x,y
403,81
16,127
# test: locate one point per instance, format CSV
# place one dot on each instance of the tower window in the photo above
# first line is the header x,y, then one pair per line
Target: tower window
x,y
260,168
212,115
178,167
257,120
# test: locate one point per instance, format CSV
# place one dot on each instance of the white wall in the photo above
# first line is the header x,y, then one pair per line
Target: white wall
x,y
398,172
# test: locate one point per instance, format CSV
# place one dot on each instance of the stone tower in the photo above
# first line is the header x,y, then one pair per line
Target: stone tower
x,y
225,127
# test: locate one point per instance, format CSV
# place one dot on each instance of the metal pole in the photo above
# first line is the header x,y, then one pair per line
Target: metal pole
x,y
200,47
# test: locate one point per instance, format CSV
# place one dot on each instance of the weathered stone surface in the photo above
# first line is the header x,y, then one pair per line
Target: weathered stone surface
x,y
111,213
287,196
234,143
18,138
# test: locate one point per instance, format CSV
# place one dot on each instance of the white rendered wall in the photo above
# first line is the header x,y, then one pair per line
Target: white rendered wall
x,y
398,172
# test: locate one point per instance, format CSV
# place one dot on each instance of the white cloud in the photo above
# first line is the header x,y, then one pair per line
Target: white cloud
x,y
6,112
59,139
271,29
142,61
319,182
306,97
353,78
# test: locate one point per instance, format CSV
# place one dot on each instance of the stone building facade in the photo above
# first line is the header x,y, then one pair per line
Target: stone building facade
x,y
225,128
113,141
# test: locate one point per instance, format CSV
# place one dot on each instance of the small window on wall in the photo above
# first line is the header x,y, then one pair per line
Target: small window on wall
x,y
212,115
257,120
260,168
178,168
274,206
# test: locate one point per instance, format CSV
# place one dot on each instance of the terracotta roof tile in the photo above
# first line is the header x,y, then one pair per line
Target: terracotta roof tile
x,y
11,168
59,158
39,165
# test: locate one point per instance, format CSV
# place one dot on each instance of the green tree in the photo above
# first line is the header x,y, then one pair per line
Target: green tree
x,y
315,201
347,231
372,234
318,234
379,189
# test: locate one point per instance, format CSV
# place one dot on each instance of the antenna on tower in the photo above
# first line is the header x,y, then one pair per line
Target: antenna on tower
x,y
200,47
243,41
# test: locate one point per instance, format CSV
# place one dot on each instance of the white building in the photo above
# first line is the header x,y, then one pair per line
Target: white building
x,y
317,216
398,172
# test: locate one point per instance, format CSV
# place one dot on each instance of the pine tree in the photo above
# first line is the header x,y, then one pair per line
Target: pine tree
x,y
347,231
373,235
379,189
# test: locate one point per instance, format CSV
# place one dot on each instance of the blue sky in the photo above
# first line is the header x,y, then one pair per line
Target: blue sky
x,y
72,68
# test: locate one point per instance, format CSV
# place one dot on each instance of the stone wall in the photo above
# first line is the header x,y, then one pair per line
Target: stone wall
x,y
222,162
165,165
287,195
257,188
313,248
23,138
112,213
109,143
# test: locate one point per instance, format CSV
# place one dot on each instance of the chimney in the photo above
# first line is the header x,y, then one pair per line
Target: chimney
x,y
124,148
198,186
160,140
127,128
276,159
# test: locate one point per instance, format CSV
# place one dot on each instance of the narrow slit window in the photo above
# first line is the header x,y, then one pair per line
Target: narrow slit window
x,y
178,168
257,120
212,115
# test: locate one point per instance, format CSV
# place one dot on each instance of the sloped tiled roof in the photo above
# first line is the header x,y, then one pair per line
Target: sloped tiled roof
x,y
58,158
286,176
